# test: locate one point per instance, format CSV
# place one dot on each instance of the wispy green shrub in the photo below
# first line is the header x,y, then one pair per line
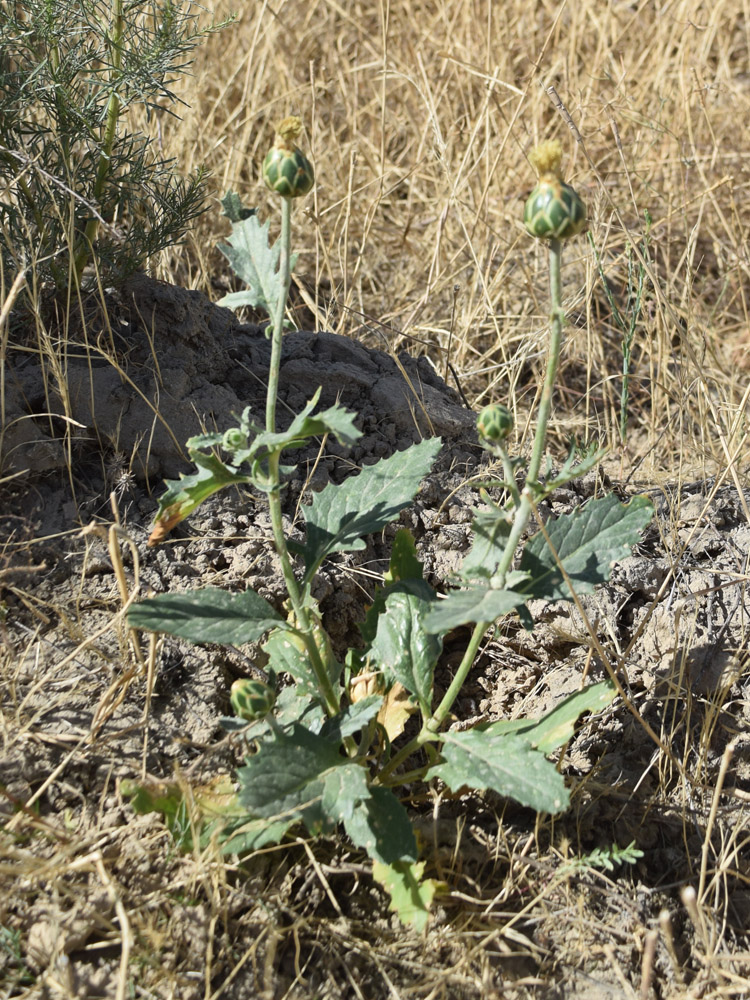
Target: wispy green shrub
x,y
78,186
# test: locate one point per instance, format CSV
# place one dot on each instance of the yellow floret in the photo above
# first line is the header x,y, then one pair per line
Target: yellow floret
x,y
289,129
546,157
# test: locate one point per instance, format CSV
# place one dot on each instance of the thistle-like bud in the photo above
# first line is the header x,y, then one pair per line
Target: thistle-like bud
x,y
286,170
554,210
494,423
251,700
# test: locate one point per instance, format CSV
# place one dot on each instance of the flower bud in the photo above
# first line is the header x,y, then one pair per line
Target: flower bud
x,y
553,210
234,440
286,170
494,423
251,699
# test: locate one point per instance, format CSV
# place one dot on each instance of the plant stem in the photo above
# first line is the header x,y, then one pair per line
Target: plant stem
x,y
422,737
440,714
508,472
557,318
302,617
278,319
524,506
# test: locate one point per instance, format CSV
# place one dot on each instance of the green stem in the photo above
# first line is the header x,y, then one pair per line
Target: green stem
x,y
509,473
422,737
557,319
441,713
278,319
302,617
524,506
303,620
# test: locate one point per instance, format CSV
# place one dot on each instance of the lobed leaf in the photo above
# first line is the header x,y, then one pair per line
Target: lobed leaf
x,y
209,615
285,779
555,728
587,542
256,262
183,495
411,895
491,529
303,776
352,719
478,603
505,762
335,420
340,516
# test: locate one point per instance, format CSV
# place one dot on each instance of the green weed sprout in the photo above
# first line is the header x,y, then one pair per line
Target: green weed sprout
x,y
328,747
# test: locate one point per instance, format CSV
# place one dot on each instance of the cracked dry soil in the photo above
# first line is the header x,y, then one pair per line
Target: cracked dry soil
x,y
78,716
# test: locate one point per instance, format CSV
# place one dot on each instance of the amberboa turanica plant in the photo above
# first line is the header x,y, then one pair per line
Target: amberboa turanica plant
x,y
330,743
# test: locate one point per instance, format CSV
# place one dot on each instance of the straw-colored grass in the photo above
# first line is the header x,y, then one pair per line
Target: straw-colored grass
x,y
419,118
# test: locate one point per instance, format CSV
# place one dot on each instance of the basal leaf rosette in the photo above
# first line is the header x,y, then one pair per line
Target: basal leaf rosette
x,y
286,170
554,210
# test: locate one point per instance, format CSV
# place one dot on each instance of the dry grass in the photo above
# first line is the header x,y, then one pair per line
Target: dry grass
x,y
419,120
419,117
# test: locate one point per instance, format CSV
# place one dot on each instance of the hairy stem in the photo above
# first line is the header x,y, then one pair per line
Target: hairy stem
x,y
524,504
508,472
441,713
303,620
422,737
557,319
278,318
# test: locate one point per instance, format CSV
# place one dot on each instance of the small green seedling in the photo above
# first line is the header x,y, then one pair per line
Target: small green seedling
x,y
328,747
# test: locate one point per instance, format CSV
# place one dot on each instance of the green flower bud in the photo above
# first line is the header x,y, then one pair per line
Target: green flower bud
x,y
251,700
234,440
286,170
495,422
553,210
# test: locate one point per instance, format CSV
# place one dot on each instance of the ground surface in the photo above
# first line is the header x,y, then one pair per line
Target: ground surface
x,y
97,900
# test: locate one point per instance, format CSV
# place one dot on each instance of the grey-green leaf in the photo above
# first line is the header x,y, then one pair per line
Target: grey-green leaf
x,y
556,727
340,516
506,763
479,603
402,648
587,542
352,719
256,263
285,780
210,615
183,495
372,816
381,825
491,531
335,420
